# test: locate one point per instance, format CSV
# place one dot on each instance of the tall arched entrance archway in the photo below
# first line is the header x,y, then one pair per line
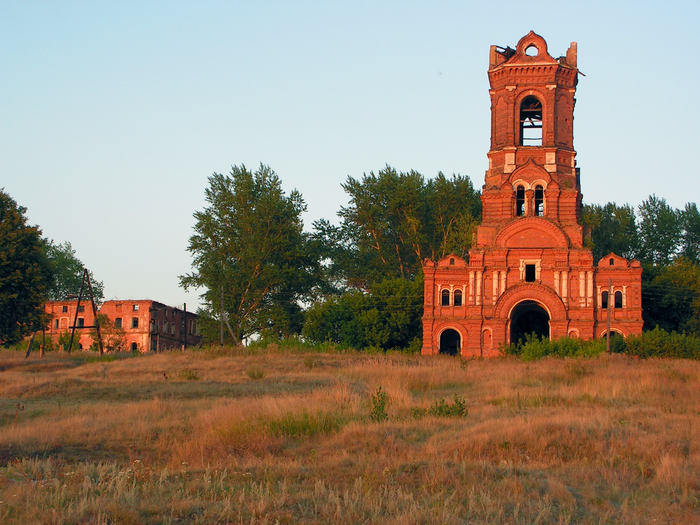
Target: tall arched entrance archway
x,y
450,342
526,318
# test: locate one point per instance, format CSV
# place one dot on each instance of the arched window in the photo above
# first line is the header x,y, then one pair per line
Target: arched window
x,y
604,300
618,299
134,347
539,200
458,298
612,261
520,201
530,122
445,298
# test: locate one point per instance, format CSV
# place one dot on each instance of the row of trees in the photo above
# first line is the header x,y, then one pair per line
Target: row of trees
x,y
667,242
356,283
359,283
33,270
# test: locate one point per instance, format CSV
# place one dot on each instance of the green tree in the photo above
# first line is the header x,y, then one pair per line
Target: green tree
x,y
454,208
249,240
613,229
24,274
388,317
690,220
393,222
671,297
68,274
660,232
113,337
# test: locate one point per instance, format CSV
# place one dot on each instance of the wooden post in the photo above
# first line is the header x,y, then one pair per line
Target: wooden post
x,y
29,346
75,317
610,300
184,308
86,276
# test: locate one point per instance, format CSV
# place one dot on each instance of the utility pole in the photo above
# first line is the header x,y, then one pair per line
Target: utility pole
x,y
184,322
610,300
96,326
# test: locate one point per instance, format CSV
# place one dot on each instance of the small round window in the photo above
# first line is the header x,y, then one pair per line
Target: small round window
x,y
532,51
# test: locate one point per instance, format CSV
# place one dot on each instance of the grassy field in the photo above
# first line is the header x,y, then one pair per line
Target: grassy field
x,y
278,436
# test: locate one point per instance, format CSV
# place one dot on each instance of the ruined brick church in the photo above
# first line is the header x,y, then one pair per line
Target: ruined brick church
x,y
528,270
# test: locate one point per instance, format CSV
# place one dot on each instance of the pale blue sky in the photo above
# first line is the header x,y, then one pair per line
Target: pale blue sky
x,y
114,113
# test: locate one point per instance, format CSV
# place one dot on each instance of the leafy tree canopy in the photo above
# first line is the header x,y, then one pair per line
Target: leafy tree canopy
x,y
667,242
25,274
388,317
660,232
613,229
394,221
67,272
671,297
249,241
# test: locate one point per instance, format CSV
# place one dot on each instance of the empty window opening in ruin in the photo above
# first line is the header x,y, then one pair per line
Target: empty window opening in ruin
x,y
458,298
64,308
530,122
134,347
612,262
539,200
136,308
604,300
134,322
530,273
118,322
532,51
445,298
520,201
81,322
618,299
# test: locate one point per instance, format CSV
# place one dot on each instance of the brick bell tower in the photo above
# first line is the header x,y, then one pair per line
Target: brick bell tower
x,y
528,269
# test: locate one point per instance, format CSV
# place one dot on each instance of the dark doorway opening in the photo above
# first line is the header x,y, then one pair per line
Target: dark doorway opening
x,y
450,342
528,318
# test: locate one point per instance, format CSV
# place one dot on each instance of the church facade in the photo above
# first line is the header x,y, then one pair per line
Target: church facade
x,y
528,269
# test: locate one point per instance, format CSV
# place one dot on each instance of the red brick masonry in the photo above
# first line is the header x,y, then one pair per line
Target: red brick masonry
x,y
528,252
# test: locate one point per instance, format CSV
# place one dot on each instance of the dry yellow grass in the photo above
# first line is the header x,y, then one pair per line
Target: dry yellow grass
x,y
287,437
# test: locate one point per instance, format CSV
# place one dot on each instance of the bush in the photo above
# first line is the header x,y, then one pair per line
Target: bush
x,y
442,408
534,348
660,343
379,402
387,318
654,343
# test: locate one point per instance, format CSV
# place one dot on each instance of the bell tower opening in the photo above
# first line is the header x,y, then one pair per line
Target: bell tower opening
x,y
528,317
450,342
520,201
530,122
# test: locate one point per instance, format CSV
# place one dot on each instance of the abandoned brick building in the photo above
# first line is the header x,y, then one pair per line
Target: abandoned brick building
x,y
528,270
147,325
